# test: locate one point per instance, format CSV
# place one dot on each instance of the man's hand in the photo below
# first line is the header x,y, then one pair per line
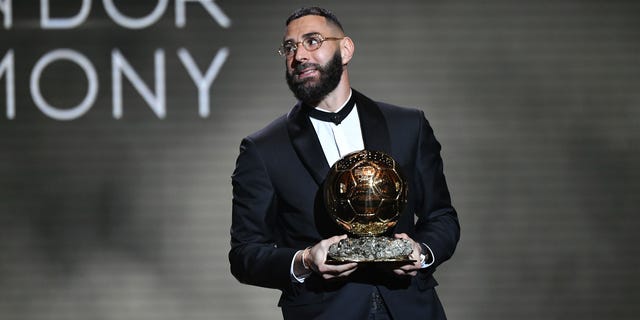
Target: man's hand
x,y
409,269
316,256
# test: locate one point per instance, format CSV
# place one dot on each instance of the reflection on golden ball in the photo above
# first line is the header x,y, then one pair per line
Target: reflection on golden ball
x,y
365,192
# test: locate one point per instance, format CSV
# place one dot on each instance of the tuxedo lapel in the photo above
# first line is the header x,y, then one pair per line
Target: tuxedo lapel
x,y
375,135
375,132
306,143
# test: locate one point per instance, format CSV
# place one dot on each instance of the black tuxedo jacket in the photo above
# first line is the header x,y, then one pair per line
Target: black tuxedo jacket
x,y
277,210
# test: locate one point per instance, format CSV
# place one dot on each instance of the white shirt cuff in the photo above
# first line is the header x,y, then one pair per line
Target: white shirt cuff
x,y
294,278
423,263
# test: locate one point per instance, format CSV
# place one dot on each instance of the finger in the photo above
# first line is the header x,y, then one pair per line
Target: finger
x,y
403,270
346,273
408,268
405,273
339,275
399,272
414,244
401,236
337,269
335,239
342,271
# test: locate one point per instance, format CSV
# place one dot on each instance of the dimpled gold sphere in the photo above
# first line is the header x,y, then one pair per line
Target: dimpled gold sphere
x,y
365,192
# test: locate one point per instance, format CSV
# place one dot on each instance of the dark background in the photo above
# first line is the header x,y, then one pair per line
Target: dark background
x,y
536,104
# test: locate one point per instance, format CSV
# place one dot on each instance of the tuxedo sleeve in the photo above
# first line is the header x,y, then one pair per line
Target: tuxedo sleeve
x,y
437,225
255,257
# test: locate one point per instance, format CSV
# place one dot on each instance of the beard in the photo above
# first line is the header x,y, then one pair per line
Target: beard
x,y
312,93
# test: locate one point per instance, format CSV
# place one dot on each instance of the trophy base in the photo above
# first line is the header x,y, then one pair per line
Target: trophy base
x,y
370,249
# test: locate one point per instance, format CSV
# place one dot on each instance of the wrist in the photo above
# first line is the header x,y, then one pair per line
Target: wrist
x,y
305,255
299,269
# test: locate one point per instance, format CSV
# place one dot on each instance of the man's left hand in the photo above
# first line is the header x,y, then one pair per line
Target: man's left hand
x,y
409,269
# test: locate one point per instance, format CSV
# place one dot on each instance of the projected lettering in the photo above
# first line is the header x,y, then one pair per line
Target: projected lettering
x,y
123,71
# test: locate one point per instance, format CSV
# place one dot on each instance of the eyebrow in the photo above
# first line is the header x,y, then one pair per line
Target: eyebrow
x,y
306,35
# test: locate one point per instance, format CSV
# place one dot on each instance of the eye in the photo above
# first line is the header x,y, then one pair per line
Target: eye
x,y
312,42
288,47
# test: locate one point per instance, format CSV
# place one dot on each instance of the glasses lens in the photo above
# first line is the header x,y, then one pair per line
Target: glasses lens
x,y
313,42
287,49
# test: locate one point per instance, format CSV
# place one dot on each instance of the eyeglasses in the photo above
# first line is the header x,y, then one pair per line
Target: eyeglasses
x,y
310,43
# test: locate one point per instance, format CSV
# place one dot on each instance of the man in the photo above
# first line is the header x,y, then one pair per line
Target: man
x,y
280,231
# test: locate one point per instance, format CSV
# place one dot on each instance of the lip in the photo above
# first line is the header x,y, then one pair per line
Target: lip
x,y
307,72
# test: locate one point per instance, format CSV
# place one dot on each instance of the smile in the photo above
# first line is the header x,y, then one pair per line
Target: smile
x,y
307,73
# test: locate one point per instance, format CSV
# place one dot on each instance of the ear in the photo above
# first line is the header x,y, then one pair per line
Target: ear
x,y
346,49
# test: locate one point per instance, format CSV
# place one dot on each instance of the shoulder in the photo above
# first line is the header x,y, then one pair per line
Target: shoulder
x,y
392,110
254,153
276,129
406,124
401,118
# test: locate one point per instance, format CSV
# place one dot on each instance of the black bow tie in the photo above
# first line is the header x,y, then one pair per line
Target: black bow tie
x,y
335,117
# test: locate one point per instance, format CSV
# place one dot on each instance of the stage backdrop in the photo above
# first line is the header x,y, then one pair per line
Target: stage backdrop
x,y
120,123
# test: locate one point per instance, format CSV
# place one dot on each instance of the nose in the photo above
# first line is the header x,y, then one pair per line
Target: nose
x,y
301,53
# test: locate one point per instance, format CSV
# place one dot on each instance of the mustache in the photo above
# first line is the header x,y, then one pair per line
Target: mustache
x,y
299,67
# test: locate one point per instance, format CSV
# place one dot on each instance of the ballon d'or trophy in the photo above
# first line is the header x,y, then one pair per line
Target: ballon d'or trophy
x,y
365,194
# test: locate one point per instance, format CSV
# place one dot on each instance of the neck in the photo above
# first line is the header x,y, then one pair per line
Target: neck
x,y
336,99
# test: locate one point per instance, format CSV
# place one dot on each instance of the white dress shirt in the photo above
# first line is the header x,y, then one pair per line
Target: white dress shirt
x,y
342,139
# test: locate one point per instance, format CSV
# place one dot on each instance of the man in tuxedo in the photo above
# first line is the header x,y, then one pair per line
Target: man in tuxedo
x,y
280,230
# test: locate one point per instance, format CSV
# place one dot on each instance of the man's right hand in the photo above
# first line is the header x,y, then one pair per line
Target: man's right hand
x,y
316,256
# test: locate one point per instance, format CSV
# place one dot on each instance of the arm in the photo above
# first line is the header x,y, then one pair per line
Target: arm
x,y
437,226
254,256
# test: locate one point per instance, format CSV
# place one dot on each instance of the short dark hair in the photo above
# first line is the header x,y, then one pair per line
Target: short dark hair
x,y
315,11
